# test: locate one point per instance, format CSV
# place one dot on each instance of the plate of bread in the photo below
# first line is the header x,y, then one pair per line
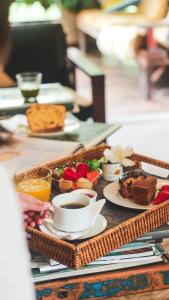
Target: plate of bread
x,y
50,120
135,191
43,120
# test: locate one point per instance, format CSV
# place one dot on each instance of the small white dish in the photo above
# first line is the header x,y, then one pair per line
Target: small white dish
x,y
98,227
111,192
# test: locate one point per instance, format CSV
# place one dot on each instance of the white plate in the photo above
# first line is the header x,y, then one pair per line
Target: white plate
x,y
111,192
18,124
99,226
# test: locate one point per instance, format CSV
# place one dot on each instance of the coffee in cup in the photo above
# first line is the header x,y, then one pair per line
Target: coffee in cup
x,y
72,212
87,192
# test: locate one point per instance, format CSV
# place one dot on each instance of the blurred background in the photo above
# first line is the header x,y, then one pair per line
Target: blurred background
x,y
128,40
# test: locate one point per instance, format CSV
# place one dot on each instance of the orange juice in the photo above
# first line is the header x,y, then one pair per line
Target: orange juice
x,y
38,188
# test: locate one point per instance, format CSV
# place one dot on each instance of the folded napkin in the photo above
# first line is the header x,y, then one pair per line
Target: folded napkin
x,y
155,170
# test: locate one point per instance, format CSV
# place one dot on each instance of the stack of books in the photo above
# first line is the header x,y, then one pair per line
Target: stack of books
x,y
131,255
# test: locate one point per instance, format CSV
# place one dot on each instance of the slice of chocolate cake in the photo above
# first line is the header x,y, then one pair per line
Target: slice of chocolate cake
x,y
139,188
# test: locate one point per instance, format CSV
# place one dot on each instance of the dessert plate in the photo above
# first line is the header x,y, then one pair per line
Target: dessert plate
x,y
18,124
111,192
98,227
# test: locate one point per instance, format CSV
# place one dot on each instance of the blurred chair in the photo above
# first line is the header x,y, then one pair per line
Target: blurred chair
x,y
91,21
154,64
41,46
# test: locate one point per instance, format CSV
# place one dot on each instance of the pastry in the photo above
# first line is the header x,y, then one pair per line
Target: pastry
x,y
65,185
138,187
84,183
45,118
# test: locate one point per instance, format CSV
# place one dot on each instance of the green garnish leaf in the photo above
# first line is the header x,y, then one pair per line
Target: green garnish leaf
x,y
94,164
59,171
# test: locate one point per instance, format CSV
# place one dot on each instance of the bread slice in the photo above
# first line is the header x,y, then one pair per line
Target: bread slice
x,y
45,118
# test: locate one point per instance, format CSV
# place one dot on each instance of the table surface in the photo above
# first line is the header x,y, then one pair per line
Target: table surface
x,y
12,102
39,151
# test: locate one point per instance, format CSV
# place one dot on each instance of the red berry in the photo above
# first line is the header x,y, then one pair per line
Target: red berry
x,y
45,214
165,188
30,213
36,216
82,169
25,217
69,174
32,224
161,197
39,221
29,220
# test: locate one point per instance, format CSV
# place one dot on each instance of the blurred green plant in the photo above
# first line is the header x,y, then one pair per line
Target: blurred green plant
x,y
77,5
45,3
73,5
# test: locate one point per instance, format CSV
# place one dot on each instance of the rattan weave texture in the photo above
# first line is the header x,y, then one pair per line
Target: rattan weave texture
x,y
76,255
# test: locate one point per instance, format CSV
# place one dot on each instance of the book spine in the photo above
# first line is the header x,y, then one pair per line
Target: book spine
x,y
157,235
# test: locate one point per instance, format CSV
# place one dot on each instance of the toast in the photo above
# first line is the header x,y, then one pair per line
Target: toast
x,y
45,118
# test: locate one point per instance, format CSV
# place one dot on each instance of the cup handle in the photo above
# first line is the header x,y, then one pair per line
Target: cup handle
x,y
96,209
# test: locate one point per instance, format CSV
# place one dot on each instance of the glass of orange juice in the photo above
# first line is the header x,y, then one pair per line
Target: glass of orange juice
x,y
37,183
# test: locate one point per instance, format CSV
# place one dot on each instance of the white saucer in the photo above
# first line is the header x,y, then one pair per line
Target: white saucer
x,y
98,227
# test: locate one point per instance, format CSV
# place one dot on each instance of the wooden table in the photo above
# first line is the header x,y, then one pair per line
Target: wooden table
x,y
107,285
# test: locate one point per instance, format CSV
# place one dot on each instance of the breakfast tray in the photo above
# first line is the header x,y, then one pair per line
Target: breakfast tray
x,y
124,225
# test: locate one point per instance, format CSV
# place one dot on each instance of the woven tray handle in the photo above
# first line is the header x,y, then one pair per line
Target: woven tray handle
x,y
152,161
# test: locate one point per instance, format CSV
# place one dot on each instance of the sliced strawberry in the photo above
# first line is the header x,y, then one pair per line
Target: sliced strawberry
x,y
69,174
161,197
165,188
92,175
82,169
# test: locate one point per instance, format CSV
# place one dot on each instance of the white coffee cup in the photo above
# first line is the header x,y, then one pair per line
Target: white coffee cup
x,y
87,192
72,220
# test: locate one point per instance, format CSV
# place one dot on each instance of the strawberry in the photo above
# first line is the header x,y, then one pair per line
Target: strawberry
x,y
161,197
82,169
92,175
69,174
165,188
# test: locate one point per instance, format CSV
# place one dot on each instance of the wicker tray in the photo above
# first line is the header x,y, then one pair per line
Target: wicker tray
x,y
124,225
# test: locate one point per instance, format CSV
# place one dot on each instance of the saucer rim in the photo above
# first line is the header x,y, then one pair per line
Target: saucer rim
x,y
100,216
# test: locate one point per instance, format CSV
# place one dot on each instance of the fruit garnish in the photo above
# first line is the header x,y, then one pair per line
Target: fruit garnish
x,y
165,188
34,219
84,183
69,174
94,164
82,169
92,175
59,171
161,197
